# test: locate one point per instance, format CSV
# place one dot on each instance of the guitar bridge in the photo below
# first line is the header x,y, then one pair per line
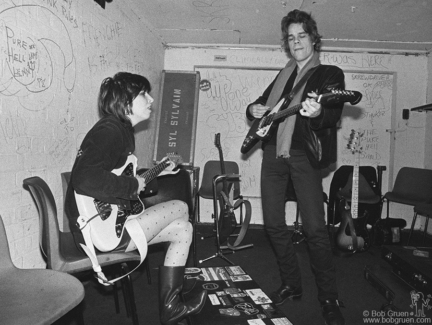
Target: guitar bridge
x,y
122,215
104,209
136,207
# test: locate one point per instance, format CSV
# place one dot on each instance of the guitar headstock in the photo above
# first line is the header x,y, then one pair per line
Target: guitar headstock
x,y
217,141
174,158
354,142
341,96
219,147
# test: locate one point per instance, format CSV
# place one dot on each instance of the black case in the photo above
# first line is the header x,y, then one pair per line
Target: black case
x,y
398,293
395,291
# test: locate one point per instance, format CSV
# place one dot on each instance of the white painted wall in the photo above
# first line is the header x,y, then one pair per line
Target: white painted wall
x,y
54,56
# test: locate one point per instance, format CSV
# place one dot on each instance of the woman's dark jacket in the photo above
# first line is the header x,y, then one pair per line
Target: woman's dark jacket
x,y
105,147
323,80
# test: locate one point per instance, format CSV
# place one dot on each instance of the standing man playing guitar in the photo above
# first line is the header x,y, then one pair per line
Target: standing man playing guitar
x,y
293,152
123,102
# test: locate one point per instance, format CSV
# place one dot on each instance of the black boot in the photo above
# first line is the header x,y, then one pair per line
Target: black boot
x,y
188,284
286,292
171,308
331,312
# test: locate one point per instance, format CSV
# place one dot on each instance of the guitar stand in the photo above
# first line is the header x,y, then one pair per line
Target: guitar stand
x,y
219,248
220,254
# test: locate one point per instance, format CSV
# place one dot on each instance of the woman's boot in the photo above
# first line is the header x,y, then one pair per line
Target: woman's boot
x,y
171,308
188,284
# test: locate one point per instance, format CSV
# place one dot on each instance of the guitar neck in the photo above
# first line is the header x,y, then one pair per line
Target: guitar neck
x,y
222,167
355,187
287,112
336,96
152,173
222,162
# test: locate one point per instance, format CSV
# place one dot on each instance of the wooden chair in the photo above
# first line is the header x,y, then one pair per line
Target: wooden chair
x,y
34,296
61,251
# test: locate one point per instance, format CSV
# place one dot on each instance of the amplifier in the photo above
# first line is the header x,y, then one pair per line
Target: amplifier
x,y
408,266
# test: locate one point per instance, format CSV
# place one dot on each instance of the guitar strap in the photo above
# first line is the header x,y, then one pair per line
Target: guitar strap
x,y
286,127
300,83
135,232
245,224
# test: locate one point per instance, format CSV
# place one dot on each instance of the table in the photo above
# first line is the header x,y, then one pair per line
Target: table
x,y
234,298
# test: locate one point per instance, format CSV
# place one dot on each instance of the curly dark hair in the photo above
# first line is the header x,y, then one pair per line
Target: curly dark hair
x,y
309,25
117,93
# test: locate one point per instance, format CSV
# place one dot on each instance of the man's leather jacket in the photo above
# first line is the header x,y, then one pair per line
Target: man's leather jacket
x,y
319,133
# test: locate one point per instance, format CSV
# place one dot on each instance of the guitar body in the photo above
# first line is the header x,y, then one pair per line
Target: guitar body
x,y
262,129
345,236
352,235
107,229
259,132
108,220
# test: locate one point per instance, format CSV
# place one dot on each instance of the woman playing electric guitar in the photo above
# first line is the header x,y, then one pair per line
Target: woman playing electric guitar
x,y
124,101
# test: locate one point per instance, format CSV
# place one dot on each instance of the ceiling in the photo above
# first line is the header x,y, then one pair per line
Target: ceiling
x,y
378,24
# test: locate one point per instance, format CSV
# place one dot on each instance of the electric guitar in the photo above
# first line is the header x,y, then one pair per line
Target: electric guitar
x,y
262,129
352,235
227,220
107,220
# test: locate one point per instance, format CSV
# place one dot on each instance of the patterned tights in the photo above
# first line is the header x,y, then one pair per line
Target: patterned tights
x,y
169,222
